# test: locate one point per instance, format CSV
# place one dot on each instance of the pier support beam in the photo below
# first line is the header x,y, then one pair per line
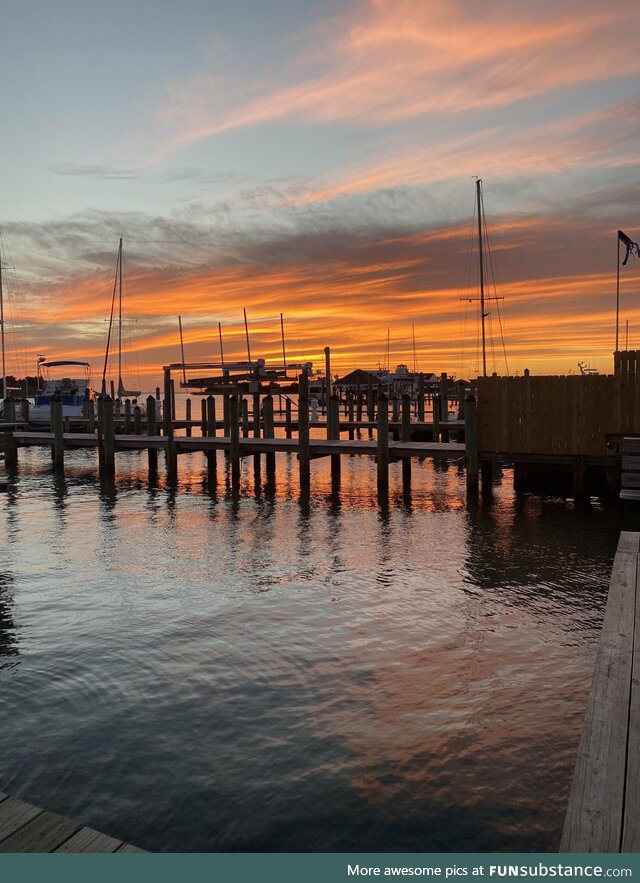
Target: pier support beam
x,y
109,440
210,408
333,432
269,432
304,460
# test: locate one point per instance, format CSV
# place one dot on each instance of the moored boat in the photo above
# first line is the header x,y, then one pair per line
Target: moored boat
x,y
74,391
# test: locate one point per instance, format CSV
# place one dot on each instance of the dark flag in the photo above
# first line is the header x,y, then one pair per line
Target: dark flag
x,y
631,246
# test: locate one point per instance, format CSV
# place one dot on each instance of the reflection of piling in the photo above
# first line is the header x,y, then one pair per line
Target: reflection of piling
x,y
152,453
234,441
382,454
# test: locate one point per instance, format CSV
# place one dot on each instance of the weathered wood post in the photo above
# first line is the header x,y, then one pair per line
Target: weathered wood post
x,y
152,453
256,415
173,399
269,432
421,397
137,420
203,417
11,450
287,419
127,416
350,414
100,430
405,436
187,414
444,406
25,411
57,427
234,441
435,404
370,412
382,453
244,412
461,399
304,459
112,390
471,443
109,436
358,400
91,413
333,433
210,429
395,408
168,429
226,422
117,408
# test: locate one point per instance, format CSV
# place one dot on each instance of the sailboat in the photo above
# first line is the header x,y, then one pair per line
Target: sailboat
x,y
122,392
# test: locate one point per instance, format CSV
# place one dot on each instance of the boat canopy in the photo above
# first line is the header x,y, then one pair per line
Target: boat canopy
x,y
64,362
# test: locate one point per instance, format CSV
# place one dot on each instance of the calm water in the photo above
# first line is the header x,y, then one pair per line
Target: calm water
x,y
191,671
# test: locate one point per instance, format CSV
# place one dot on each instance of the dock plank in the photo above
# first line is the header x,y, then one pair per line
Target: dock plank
x,y
90,840
15,813
44,833
594,815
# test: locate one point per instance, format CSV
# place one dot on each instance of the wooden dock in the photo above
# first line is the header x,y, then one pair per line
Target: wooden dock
x,y
603,813
28,828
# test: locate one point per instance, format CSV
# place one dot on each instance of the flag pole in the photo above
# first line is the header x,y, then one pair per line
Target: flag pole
x,y
617,286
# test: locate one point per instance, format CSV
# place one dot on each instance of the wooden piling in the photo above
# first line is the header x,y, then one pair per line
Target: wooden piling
x,y
57,427
350,413
471,442
210,429
304,459
288,423
137,420
382,452
421,397
256,415
226,423
127,416
152,453
435,404
168,409
173,399
109,440
187,414
370,411
269,432
444,406
100,429
358,401
405,436
333,432
10,450
244,413
234,439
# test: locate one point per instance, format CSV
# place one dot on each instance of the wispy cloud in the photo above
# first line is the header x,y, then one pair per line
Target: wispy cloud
x,y
83,170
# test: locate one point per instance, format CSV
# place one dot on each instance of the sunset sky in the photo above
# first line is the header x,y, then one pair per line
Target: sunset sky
x,y
318,159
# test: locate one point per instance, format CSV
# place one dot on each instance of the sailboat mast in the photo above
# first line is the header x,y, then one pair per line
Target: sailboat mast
x,y
4,364
120,316
482,310
284,353
184,373
221,349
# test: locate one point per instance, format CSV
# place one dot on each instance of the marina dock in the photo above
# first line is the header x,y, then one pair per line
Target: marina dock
x,y
28,828
603,813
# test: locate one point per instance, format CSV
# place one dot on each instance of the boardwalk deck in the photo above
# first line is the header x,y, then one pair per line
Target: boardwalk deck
x,y
603,813
28,828
184,444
